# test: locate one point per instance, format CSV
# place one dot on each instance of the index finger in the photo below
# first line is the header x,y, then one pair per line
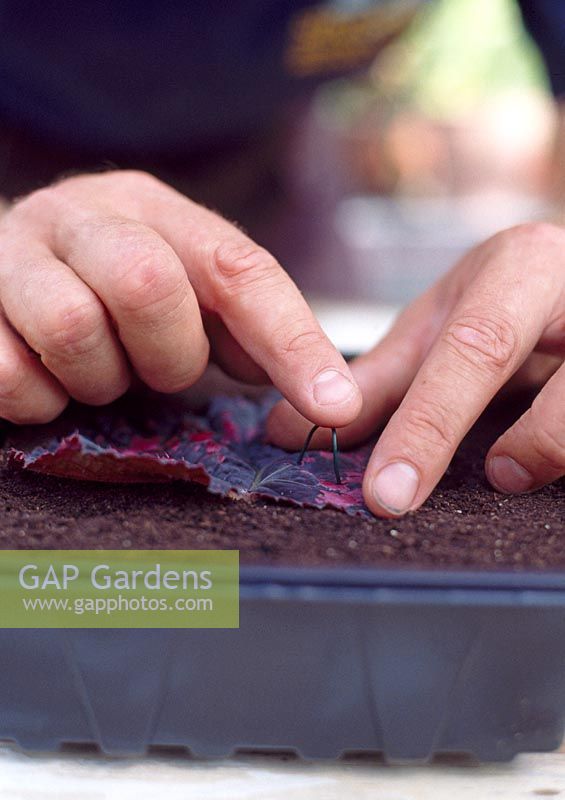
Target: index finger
x,y
489,334
261,307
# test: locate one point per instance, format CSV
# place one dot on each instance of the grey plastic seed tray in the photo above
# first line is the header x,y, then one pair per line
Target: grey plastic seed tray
x,y
407,663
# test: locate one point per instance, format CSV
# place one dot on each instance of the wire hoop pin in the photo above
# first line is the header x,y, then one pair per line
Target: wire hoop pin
x,y
335,451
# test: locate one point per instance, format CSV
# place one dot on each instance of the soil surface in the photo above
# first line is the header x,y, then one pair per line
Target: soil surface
x,y
464,523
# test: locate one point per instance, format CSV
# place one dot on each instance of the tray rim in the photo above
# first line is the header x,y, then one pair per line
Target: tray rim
x,y
402,577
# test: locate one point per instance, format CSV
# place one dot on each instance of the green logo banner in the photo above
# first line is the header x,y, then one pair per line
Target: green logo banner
x,y
119,589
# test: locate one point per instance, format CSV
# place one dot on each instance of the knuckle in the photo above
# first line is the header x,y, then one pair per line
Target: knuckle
x,y
150,286
34,206
118,235
430,427
73,330
243,266
300,338
488,342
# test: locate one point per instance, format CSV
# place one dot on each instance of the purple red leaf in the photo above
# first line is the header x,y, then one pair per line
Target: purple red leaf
x,y
223,449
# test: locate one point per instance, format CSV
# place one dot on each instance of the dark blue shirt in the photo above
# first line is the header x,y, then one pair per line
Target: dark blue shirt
x,y
166,76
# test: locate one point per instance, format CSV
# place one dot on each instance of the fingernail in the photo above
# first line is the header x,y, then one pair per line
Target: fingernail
x,y
395,487
509,476
332,388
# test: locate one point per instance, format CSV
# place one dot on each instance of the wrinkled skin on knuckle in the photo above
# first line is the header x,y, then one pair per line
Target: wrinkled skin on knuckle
x,y
300,338
299,342
151,287
239,268
486,342
429,430
72,331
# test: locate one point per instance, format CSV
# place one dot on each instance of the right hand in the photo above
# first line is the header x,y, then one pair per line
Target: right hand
x,y
102,275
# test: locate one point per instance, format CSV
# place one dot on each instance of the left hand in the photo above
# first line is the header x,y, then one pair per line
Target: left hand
x,y
445,358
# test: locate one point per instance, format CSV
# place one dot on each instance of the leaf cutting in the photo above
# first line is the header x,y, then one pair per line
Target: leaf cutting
x,y
222,448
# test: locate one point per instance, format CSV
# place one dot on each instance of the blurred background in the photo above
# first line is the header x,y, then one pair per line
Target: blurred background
x,y
447,139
